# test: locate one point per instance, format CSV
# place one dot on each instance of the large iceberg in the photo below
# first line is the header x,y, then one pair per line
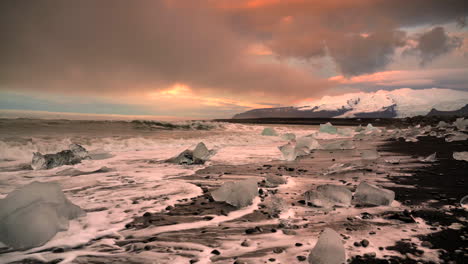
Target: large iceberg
x,y
268,131
196,156
329,195
238,194
75,154
329,249
328,128
32,215
368,194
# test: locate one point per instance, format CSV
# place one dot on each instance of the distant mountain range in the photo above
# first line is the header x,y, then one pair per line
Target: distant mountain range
x,y
381,104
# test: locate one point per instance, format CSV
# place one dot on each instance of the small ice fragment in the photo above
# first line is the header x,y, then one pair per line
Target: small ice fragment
x,y
461,123
328,128
442,124
411,139
288,151
288,136
368,194
274,181
464,202
329,195
329,249
305,144
393,160
347,132
238,194
339,145
31,215
359,128
196,156
456,137
370,128
74,155
268,131
370,154
430,158
338,168
461,155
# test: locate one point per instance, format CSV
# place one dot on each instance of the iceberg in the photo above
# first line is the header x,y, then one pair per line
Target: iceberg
x,y
461,123
442,124
288,136
238,194
461,155
359,129
329,195
370,154
199,155
339,145
368,194
346,132
268,131
328,128
31,215
329,249
75,154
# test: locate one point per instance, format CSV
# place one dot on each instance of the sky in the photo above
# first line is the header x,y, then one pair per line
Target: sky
x,y
215,58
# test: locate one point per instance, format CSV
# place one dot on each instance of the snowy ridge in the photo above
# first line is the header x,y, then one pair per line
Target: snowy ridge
x,y
403,102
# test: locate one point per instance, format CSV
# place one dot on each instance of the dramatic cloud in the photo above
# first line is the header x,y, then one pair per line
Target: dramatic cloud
x,y
121,46
230,54
433,44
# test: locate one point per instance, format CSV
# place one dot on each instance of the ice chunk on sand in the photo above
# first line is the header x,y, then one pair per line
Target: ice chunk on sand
x,y
430,158
328,128
329,195
274,181
268,131
464,202
288,151
32,215
442,124
196,156
329,249
359,129
305,144
370,154
346,132
368,194
456,137
288,136
339,145
74,155
461,123
238,194
461,155
370,128
339,167
393,160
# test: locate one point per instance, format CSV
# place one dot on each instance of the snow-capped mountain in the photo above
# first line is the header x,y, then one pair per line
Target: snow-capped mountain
x,y
396,103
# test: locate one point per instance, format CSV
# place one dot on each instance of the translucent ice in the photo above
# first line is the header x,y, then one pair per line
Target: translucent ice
x,y
32,215
456,137
347,132
461,123
268,131
370,128
305,144
442,124
339,145
196,156
368,194
430,158
329,195
359,129
288,151
339,167
288,136
328,128
74,155
329,249
461,155
464,202
370,154
238,194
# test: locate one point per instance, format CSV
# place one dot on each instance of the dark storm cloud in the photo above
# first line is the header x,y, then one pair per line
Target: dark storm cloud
x,y
125,46
433,44
306,28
